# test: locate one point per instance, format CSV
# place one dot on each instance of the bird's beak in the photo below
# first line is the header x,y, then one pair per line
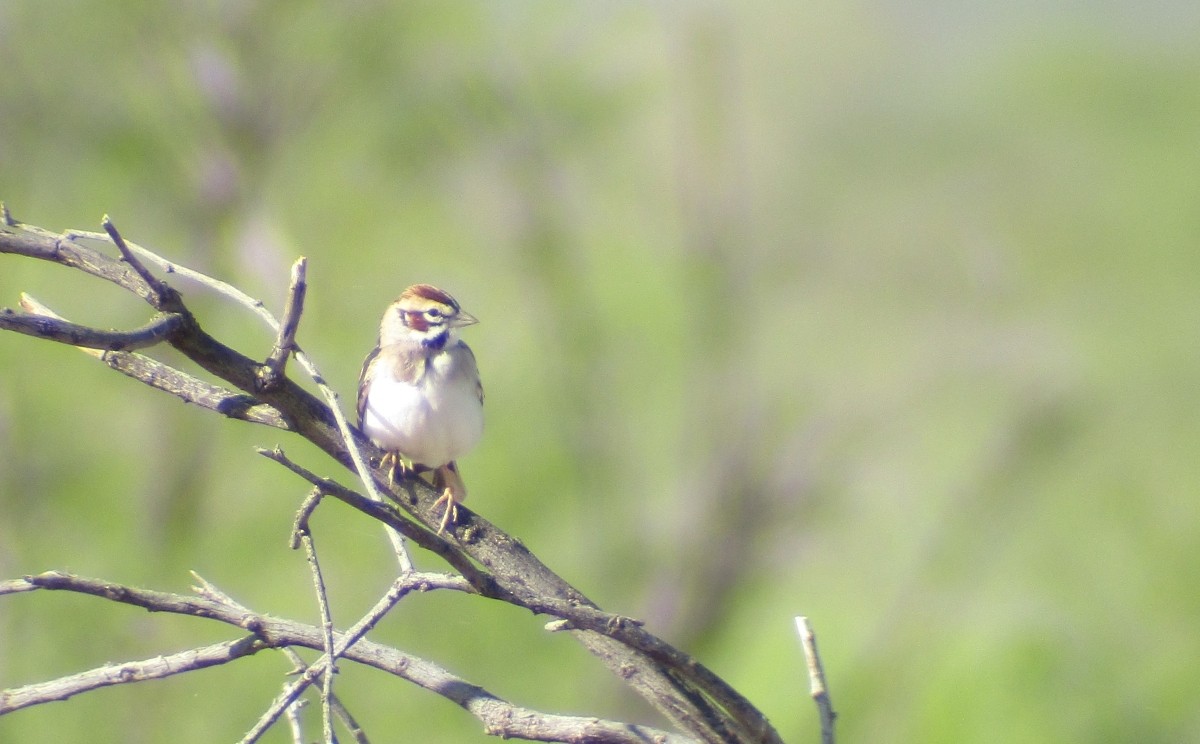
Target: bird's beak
x,y
464,319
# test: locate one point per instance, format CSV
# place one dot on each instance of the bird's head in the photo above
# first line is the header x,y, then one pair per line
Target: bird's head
x,y
423,315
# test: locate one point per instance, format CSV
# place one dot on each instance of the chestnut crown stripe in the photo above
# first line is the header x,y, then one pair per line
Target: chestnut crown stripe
x,y
429,292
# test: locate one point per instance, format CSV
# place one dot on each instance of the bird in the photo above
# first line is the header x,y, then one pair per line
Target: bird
x,y
419,394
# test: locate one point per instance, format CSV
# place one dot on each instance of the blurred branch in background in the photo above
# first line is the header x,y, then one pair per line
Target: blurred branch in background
x,y
732,448
955,387
490,563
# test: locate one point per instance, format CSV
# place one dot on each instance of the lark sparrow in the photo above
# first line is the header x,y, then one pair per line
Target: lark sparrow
x,y
419,395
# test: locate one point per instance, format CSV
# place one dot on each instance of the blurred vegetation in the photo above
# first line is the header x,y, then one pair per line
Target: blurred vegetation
x,y
881,313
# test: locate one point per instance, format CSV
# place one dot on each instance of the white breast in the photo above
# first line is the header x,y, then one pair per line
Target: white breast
x,y
432,422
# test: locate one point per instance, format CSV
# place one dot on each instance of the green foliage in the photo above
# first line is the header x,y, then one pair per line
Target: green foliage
x,y
886,320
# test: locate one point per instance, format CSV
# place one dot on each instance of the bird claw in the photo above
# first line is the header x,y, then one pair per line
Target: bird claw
x,y
448,478
393,462
450,515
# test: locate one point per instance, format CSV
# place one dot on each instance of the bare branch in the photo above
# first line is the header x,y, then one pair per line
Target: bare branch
x,y
312,419
581,616
302,535
685,692
352,726
500,718
207,589
129,671
170,380
285,342
294,723
324,665
300,523
16,586
816,679
27,240
159,289
194,390
425,537
76,335
310,552
347,438
339,710
170,267
631,633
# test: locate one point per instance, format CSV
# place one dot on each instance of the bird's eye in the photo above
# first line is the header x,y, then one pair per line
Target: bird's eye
x,y
433,313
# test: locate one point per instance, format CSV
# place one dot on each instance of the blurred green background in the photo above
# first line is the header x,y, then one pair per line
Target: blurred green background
x,y
881,313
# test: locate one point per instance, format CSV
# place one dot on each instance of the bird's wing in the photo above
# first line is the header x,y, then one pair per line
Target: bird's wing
x,y
364,383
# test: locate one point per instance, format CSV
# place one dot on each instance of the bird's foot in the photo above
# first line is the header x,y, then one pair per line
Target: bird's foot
x,y
393,462
455,492
450,515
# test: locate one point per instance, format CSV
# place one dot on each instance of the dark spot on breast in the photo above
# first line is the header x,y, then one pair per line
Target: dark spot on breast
x,y
437,342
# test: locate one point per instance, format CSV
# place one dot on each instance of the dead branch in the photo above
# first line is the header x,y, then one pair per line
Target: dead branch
x,y
170,380
339,709
499,717
310,552
496,566
816,679
160,293
65,332
285,341
129,671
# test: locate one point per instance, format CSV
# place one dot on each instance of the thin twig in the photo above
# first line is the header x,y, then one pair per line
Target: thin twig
x,y
302,535
331,396
156,285
330,487
16,586
294,723
360,463
481,581
170,380
352,726
285,341
129,671
207,589
581,616
310,552
399,589
683,695
499,717
300,523
218,286
76,335
210,591
816,679
339,708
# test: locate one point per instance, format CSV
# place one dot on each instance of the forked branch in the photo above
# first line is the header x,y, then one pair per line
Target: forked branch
x,y
499,717
492,563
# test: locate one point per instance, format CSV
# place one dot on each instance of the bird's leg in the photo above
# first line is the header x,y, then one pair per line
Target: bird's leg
x,y
388,462
447,477
393,462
